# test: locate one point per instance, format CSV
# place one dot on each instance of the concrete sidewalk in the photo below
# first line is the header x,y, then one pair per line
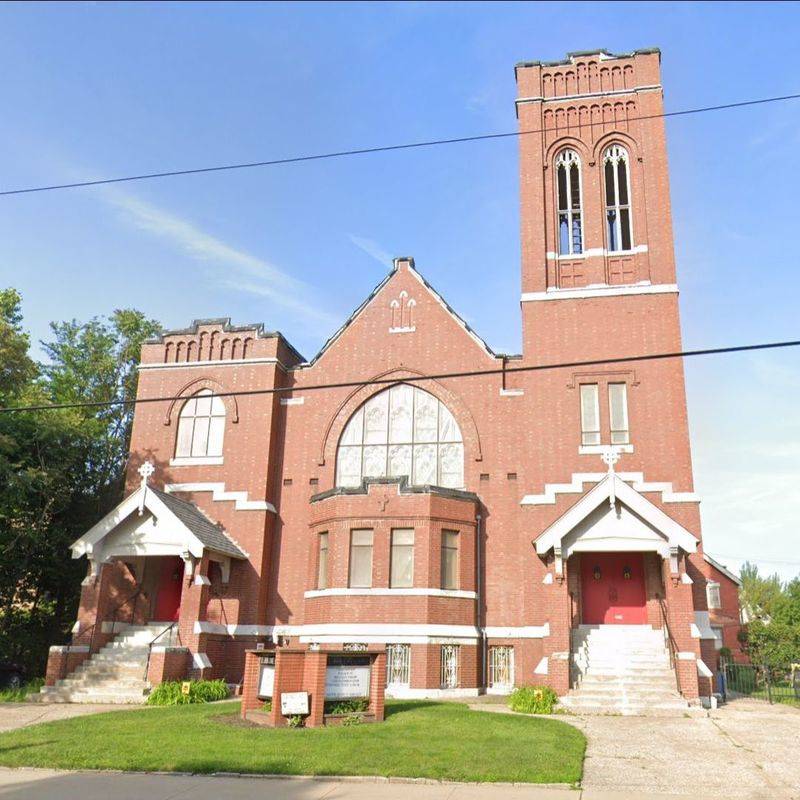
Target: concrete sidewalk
x,y
43,784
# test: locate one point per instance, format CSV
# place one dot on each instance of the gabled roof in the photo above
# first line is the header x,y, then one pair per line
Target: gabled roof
x,y
409,263
612,486
724,570
183,518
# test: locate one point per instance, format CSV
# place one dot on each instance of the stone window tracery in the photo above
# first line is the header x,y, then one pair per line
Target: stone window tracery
x,y
616,169
568,190
402,431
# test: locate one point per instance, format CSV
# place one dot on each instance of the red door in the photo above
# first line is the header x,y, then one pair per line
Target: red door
x,y
612,589
170,586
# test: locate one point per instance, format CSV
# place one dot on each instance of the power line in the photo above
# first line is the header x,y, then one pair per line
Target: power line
x,y
379,149
416,378
758,560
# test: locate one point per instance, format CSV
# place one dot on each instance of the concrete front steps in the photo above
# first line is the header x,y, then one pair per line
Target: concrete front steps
x,y
115,674
622,669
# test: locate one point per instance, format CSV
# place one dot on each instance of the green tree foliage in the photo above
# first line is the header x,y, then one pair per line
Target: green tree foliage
x,y
60,471
772,635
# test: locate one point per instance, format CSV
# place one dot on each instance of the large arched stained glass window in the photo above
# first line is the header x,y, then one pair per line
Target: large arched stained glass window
x,y
568,188
402,431
616,168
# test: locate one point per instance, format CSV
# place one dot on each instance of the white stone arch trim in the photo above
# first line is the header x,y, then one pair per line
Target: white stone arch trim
x,y
192,388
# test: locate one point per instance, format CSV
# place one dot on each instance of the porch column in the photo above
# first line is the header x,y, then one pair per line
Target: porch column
x,y
680,615
194,601
558,645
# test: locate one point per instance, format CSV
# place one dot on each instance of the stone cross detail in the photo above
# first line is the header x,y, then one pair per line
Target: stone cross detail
x,y
610,456
146,470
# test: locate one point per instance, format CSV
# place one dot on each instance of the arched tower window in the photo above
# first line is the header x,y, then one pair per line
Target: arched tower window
x,y
201,426
401,431
616,167
568,188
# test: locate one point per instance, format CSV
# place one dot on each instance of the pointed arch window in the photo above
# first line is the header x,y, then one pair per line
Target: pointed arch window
x,y
201,426
568,189
616,169
402,431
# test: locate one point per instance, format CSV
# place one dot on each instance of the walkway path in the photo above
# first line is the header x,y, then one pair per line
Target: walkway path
x,y
20,715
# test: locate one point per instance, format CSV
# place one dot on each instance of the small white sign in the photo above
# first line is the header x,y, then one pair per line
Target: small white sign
x,y
346,682
266,680
294,703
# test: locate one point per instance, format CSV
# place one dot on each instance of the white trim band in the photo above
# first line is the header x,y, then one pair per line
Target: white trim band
x,y
196,461
66,648
551,490
387,592
593,252
219,494
236,362
525,632
406,693
612,93
292,401
599,291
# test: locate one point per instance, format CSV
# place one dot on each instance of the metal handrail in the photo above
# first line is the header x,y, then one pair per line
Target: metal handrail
x,y
93,628
672,645
150,646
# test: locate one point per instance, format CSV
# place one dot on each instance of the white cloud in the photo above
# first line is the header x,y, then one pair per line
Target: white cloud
x,y
233,268
371,248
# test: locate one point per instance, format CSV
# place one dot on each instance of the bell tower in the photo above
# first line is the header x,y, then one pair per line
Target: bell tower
x,y
597,249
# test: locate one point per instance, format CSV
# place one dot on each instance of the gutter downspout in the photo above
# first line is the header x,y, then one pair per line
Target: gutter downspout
x,y
479,603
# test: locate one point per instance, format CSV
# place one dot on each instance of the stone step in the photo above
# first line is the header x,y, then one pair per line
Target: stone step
x,y
617,681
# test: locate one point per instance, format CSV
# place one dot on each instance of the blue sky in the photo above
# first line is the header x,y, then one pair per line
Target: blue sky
x,y
96,90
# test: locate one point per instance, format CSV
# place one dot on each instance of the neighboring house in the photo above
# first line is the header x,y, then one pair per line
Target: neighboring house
x,y
724,608
523,526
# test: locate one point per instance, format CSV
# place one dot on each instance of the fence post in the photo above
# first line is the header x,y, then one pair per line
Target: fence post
x,y
768,682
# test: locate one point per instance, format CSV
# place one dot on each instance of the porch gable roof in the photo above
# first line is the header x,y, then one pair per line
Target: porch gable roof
x,y
183,517
612,486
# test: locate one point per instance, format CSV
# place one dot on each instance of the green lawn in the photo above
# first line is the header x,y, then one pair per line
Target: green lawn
x,y
419,739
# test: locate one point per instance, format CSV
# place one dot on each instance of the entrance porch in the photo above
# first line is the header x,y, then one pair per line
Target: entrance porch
x,y
622,608
147,588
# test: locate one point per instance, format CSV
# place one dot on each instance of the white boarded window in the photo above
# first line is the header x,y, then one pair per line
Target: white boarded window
x,y
402,558
449,676
322,561
361,558
449,559
501,667
590,414
398,664
616,171
402,431
568,190
618,412
713,595
201,426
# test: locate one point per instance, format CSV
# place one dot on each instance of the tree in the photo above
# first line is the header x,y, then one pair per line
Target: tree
x,y
760,596
60,471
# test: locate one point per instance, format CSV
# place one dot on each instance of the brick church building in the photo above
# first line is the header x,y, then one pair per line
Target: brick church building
x,y
523,526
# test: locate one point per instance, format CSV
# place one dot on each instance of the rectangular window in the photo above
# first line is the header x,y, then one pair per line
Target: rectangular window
x,y
501,667
450,666
450,560
590,414
618,412
718,636
402,558
322,562
713,596
361,559
398,664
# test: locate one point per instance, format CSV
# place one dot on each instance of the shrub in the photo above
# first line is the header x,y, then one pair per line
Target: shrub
x,y
266,705
352,719
295,721
341,707
533,700
20,694
170,693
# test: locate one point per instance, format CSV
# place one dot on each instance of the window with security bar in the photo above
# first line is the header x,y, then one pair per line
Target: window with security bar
x,y
501,667
450,658
398,664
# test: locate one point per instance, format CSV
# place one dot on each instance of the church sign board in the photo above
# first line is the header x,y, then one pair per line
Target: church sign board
x,y
347,677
